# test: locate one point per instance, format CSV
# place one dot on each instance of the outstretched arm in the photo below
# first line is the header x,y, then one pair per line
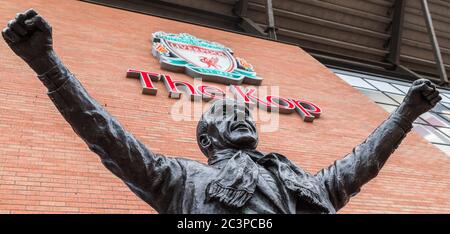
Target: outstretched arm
x,y
344,178
153,177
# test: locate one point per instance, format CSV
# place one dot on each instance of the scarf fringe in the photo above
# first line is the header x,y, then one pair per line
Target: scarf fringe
x,y
236,182
229,196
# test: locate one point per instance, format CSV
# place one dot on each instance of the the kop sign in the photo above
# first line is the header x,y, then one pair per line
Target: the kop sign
x,y
212,62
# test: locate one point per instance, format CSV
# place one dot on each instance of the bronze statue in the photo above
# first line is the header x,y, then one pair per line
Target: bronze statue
x,y
238,178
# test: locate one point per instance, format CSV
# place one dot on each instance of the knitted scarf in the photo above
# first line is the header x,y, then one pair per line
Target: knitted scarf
x,y
236,181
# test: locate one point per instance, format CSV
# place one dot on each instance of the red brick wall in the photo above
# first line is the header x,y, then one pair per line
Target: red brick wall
x,y
45,167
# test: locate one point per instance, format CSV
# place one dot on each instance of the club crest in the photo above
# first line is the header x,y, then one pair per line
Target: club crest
x,y
200,58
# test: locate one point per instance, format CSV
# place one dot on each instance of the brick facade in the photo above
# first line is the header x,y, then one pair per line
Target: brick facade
x,y
46,168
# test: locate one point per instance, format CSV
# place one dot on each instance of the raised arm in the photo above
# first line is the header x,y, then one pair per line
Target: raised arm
x,y
344,178
153,177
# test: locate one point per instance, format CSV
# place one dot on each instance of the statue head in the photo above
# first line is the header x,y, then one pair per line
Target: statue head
x,y
226,124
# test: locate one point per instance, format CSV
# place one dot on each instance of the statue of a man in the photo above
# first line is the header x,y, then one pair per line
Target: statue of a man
x,y
238,178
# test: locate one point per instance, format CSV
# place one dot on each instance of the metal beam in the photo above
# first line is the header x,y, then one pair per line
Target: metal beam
x,y
395,42
434,42
271,30
174,11
241,20
240,8
251,27
350,65
402,68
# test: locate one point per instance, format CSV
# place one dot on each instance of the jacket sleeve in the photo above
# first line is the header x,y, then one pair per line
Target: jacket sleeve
x,y
154,178
345,177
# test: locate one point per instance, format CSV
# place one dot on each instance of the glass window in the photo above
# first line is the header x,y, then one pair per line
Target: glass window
x,y
445,98
445,148
388,108
434,119
420,121
403,88
431,134
445,116
356,81
445,104
446,131
439,108
377,96
445,94
434,125
396,97
384,86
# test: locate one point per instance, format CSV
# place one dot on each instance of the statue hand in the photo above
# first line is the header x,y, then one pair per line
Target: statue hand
x,y
30,37
421,97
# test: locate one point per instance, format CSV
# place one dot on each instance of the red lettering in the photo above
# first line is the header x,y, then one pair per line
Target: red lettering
x,y
146,79
172,88
240,95
311,108
211,92
272,103
283,105
307,110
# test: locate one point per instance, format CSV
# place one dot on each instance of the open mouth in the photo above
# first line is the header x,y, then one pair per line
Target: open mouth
x,y
239,126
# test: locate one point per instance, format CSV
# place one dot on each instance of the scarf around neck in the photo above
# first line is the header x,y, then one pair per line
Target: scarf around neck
x,y
236,181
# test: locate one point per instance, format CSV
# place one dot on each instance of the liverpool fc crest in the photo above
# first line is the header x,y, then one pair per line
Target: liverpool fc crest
x,y
196,57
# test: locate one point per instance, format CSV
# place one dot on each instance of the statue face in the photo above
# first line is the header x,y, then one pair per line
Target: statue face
x,y
231,126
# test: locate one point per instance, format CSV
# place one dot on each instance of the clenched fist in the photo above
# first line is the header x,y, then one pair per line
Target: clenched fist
x,y
421,97
30,37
